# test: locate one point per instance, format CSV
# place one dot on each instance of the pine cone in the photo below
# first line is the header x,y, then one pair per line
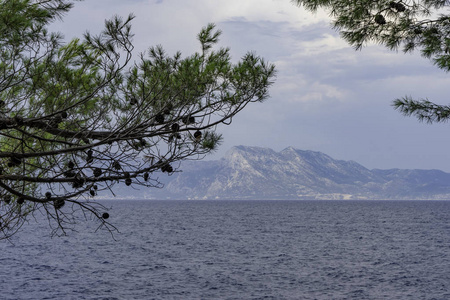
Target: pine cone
x,y
379,19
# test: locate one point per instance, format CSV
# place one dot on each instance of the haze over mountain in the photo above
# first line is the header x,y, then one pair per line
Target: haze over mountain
x,y
261,173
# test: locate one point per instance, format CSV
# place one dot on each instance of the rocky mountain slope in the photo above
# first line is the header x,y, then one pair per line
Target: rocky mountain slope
x,y
261,173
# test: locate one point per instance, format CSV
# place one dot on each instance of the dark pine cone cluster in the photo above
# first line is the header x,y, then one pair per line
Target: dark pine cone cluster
x,y
397,6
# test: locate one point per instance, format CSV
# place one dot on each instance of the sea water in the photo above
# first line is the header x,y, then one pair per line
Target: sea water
x,y
239,250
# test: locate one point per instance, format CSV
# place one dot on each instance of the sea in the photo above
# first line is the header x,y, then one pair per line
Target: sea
x,y
238,250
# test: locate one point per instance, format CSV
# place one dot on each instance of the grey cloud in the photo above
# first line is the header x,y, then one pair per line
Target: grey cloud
x,y
327,97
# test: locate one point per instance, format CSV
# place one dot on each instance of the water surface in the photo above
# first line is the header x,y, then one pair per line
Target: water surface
x,y
239,250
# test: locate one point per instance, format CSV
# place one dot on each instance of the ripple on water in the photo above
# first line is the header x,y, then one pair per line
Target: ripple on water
x,y
240,250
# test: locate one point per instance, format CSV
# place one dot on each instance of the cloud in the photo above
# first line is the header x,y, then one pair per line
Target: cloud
x,y
327,97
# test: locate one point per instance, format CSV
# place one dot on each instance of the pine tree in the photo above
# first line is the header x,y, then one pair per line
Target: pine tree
x,y
79,117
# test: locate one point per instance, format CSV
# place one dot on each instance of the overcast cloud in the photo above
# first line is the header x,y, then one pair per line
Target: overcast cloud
x,y
327,96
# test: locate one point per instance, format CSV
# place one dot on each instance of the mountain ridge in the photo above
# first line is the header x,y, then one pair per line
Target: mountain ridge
x,y
257,173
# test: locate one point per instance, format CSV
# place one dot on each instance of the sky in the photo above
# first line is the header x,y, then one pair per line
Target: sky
x,y
327,97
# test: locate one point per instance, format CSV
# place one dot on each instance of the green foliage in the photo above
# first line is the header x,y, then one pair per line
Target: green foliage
x,y
77,118
423,110
422,25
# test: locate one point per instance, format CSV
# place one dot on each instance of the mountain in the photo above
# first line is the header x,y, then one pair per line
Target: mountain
x,y
262,173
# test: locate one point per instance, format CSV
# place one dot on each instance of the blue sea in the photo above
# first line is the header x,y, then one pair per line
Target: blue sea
x,y
238,250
